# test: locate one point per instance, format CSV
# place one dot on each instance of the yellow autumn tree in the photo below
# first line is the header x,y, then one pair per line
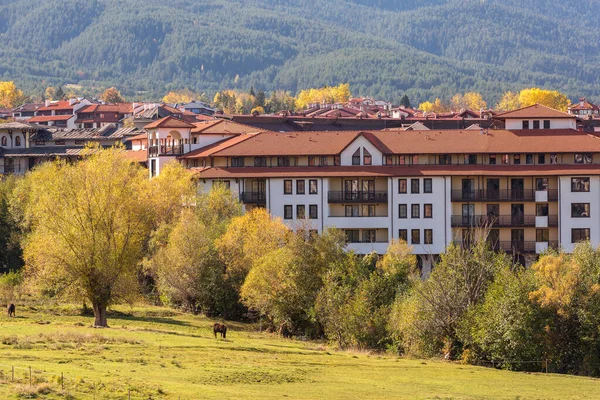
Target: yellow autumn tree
x,y
548,98
471,100
509,101
180,96
10,95
327,94
112,95
436,107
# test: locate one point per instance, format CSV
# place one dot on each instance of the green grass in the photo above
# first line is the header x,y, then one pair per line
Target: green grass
x,y
159,353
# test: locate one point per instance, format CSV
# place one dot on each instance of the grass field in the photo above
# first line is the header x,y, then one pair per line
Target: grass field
x,y
158,353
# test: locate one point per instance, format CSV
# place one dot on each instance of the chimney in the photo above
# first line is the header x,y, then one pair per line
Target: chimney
x,y
72,101
47,102
581,101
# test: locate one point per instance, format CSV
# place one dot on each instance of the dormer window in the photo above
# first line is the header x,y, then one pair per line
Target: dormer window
x,y
367,159
536,124
546,124
311,161
525,124
337,160
324,161
356,157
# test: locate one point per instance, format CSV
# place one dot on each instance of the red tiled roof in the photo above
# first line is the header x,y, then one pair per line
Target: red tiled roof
x,y
583,105
209,150
168,122
59,105
534,111
137,156
122,108
387,171
222,126
46,118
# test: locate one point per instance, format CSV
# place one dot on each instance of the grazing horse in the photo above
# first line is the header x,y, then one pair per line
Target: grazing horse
x,y
11,310
220,328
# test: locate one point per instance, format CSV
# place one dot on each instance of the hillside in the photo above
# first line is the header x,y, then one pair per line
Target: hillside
x,y
383,48
158,353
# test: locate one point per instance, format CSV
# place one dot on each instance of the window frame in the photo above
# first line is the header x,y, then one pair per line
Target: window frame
x,y
586,232
427,207
402,211
300,187
367,157
286,190
415,211
412,236
313,186
402,186
585,187
288,211
427,185
356,157
415,186
403,235
585,208
427,236
300,211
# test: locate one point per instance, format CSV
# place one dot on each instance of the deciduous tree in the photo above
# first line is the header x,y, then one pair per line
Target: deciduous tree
x,y
10,95
548,98
112,95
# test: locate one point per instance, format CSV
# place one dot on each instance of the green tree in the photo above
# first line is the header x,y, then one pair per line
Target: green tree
x,y
59,94
405,101
11,256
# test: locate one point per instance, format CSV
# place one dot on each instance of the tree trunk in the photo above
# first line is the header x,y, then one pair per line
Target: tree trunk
x,y
100,315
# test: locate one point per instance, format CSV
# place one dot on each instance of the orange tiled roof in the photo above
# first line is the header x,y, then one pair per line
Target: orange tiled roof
x,y
168,122
59,105
534,111
46,118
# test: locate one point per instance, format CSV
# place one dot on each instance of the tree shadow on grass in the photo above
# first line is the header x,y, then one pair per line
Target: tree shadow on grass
x,y
156,320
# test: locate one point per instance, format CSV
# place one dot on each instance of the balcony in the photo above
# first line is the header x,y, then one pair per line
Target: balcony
x,y
358,197
508,247
156,151
500,221
258,198
500,195
12,169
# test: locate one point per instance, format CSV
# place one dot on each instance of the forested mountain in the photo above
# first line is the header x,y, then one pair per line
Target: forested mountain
x,y
383,48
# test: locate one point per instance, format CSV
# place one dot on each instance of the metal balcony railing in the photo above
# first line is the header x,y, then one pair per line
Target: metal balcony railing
x,y
358,197
162,150
500,195
259,198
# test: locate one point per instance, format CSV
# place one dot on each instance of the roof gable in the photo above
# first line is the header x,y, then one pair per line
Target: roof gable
x,y
168,122
534,111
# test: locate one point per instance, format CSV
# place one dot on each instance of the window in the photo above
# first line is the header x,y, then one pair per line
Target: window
x,y
546,124
402,186
528,158
283,161
300,211
18,141
352,211
471,159
580,235
402,160
415,211
369,236
300,186
580,184
39,142
542,235
352,236
4,141
403,234
415,160
367,210
516,159
427,236
313,187
415,236
226,184
80,142
445,159
337,160
541,210
505,159
402,210
414,186
59,142
525,124
541,159
287,187
389,160
237,161
311,161
541,184
553,158
356,157
287,212
492,159
367,159
536,124
580,210
427,185
324,161
583,158
427,210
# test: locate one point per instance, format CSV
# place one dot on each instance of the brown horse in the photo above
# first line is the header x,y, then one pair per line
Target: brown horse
x,y
11,310
220,328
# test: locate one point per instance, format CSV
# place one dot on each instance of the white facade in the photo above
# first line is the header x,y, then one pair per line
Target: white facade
x,y
573,193
554,123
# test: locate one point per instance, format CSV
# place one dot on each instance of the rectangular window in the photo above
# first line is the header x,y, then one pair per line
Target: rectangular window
x,y
313,187
352,236
260,161
369,236
324,161
528,158
541,159
227,184
287,187
541,184
525,124
367,210
415,211
580,235
415,236
580,184
542,235
427,210
505,159
389,160
546,124
445,159
583,158
311,161
428,236
516,159
300,211
300,186
415,160
59,142
283,161
402,186
352,211
40,142
536,124
287,212
337,160
580,210
541,210
492,159
403,234
402,210
553,158
402,160
471,159
414,186
427,185
237,161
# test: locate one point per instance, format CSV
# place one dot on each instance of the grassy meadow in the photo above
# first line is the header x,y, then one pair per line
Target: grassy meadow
x,y
158,353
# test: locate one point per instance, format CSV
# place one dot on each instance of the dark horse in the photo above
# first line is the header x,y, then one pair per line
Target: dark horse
x,y
220,328
11,310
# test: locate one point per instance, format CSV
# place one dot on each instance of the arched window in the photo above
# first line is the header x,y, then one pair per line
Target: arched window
x,y
17,141
4,142
356,157
367,159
